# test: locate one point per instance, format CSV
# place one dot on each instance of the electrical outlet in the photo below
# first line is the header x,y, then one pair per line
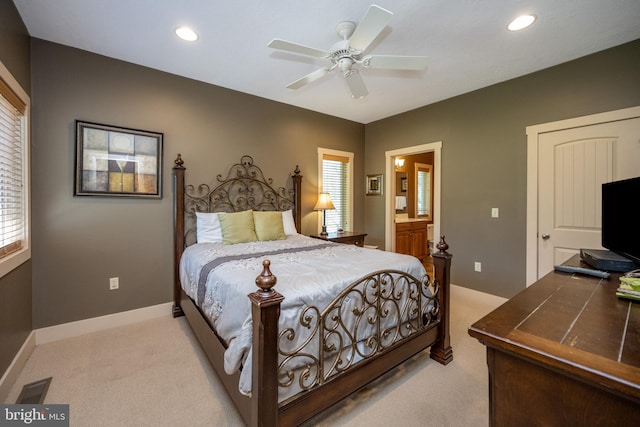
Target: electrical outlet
x,y
495,213
477,266
114,283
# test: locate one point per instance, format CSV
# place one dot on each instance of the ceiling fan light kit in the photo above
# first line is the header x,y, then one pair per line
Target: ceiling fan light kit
x,y
349,51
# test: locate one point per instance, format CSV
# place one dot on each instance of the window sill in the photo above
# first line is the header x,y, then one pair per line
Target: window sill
x,y
13,261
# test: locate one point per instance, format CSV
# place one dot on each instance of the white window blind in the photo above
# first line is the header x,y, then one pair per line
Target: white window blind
x,y
12,198
422,194
336,181
423,190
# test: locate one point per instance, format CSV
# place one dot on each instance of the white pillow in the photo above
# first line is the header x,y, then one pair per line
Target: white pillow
x,y
208,228
289,223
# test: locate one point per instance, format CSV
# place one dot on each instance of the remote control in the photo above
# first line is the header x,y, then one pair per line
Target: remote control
x,y
588,271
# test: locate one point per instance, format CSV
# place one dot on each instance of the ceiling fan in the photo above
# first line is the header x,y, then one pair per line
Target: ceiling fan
x,y
351,50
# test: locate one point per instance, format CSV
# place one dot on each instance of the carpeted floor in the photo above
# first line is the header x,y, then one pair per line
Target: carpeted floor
x,y
153,373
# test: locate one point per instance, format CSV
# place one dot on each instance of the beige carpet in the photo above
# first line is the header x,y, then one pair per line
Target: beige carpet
x,y
153,373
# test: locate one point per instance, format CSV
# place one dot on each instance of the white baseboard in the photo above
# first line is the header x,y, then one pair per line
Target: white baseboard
x,y
16,366
81,327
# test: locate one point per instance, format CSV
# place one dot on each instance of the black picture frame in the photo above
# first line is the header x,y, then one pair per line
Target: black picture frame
x,y
116,161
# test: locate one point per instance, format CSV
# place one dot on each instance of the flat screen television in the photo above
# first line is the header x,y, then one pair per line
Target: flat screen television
x,y
621,218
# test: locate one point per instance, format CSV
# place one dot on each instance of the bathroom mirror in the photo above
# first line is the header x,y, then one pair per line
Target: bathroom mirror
x,y
401,192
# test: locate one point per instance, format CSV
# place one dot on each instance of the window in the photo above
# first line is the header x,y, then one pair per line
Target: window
x,y
423,191
336,178
14,196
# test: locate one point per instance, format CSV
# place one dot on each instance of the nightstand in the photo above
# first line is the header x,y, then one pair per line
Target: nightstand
x,y
347,237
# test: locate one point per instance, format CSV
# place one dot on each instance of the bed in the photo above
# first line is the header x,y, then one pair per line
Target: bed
x,y
332,318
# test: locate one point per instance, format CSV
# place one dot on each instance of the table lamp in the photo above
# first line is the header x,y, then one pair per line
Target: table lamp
x,y
324,203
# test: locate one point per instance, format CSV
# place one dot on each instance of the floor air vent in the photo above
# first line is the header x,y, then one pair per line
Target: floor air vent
x,y
33,393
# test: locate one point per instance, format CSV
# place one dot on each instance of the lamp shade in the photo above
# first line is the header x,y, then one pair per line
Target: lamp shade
x,y
324,202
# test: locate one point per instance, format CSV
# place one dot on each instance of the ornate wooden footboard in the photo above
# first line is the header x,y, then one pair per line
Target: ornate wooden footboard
x,y
375,324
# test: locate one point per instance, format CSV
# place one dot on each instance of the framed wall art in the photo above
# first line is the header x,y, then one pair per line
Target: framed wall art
x,y
374,185
116,161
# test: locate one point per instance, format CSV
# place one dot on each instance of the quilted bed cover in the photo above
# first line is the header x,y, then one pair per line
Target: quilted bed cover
x,y
309,271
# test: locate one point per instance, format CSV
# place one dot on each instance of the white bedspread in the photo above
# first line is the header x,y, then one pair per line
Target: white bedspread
x,y
307,277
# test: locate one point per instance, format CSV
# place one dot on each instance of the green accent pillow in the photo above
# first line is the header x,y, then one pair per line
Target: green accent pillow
x,y
237,227
269,225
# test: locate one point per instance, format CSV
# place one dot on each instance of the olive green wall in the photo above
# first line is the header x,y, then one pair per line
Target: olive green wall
x,y
14,45
484,157
80,242
15,287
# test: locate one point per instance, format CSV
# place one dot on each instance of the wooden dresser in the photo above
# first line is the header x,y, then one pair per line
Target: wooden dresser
x,y
563,352
411,238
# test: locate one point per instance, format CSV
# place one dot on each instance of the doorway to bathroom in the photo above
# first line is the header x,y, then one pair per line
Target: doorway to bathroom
x,y
395,182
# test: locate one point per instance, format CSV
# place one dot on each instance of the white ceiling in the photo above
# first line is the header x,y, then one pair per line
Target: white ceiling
x,y
466,42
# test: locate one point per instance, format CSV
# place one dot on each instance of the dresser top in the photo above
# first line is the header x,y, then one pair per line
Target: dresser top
x,y
573,323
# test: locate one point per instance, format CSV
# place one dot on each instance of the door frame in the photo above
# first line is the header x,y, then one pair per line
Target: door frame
x,y
533,133
389,211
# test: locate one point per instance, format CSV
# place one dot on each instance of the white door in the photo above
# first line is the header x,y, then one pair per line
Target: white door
x,y
572,166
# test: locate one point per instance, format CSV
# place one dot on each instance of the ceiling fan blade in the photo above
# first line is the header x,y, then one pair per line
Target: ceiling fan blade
x,y
396,62
370,27
297,48
311,77
356,84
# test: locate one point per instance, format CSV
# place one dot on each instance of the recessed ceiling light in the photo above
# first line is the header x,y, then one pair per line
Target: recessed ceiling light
x,y
521,22
186,33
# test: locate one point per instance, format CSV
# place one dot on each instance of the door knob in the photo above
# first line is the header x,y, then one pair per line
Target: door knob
x,y
545,236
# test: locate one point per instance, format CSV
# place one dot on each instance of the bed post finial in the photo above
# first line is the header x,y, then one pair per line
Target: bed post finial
x,y
178,162
442,246
266,280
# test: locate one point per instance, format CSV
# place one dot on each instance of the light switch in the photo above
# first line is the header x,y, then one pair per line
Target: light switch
x,y
495,213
